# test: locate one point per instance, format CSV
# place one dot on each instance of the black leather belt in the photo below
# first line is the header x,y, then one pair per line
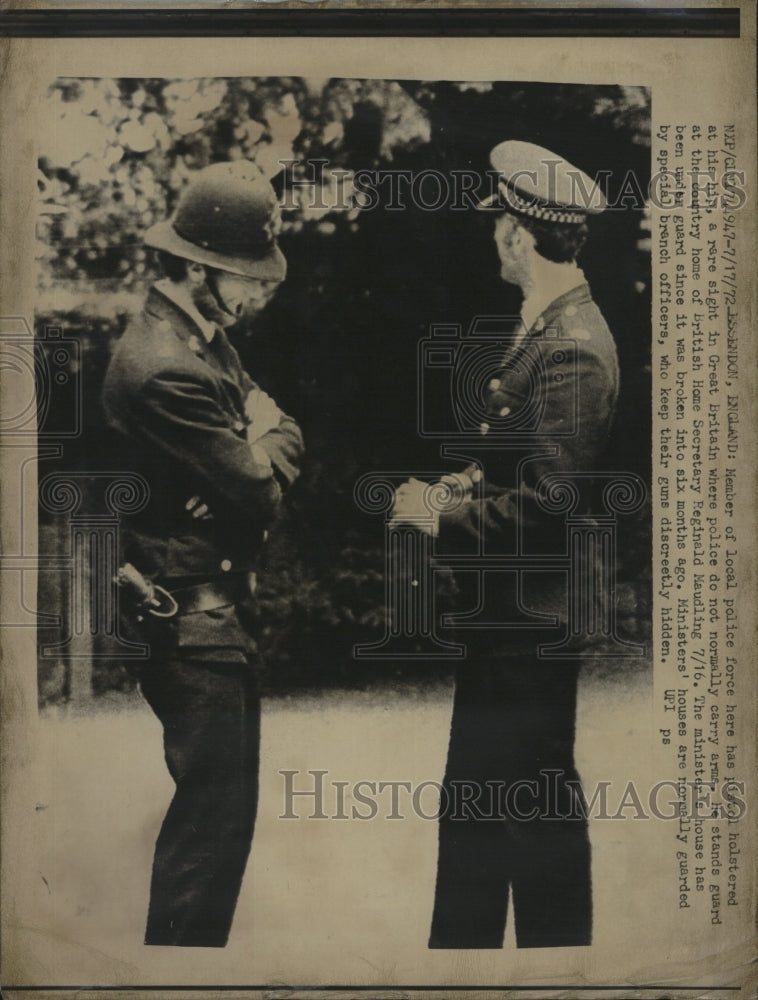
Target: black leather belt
x,y
214,594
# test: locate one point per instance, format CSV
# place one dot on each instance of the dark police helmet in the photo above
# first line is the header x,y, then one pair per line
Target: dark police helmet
x,y
227,218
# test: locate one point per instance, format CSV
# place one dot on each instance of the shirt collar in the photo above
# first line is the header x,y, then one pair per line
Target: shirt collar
x,y
183,300
563,278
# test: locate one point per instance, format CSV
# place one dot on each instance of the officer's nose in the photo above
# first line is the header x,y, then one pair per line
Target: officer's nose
x,y
259,292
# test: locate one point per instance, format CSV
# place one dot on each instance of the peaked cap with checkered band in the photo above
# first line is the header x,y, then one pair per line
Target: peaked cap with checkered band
x,y
537,183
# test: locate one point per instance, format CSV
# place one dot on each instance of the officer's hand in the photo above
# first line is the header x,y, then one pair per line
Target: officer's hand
x,y
198,510
461,484
260,455
411,507
421,504
263,413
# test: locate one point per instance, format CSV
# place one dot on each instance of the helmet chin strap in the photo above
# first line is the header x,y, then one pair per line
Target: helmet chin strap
x,y
209,303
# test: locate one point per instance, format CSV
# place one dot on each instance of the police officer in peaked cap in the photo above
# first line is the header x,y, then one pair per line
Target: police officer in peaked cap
x,y
513,716
218,454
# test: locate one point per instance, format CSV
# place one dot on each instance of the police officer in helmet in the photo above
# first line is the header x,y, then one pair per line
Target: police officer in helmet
x,y
218,454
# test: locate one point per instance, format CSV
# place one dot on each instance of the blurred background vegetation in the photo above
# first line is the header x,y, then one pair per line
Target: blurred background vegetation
x,y
337,346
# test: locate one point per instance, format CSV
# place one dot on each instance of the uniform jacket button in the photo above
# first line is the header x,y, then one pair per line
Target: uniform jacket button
x,y
494,384
226,565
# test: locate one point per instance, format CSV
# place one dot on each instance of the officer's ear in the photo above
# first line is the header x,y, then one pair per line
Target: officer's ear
x,y
508,233
521,238
195,273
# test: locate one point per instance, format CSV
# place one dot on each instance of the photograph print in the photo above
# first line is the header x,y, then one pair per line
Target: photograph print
x,y
344,528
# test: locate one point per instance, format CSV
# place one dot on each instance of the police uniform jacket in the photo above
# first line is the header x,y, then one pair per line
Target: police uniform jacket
x,y
177,404
571,394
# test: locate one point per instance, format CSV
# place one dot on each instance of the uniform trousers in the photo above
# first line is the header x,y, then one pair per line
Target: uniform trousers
x,y
210,712
512,728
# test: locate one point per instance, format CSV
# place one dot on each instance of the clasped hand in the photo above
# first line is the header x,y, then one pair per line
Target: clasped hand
x,y
263,413
412,504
